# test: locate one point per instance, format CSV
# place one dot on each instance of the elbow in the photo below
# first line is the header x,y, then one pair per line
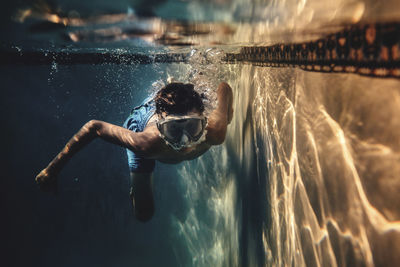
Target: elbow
x,y
220,140
92,126
224,84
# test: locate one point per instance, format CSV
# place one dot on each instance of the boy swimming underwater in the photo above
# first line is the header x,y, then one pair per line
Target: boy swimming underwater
x,y
170,128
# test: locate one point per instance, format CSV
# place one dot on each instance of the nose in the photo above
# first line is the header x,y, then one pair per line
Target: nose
x,y
184,139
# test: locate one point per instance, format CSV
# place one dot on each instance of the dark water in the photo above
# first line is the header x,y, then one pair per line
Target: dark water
x,y
90,222
308,174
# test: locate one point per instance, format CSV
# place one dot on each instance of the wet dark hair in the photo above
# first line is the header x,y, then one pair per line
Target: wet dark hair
x,y
178,99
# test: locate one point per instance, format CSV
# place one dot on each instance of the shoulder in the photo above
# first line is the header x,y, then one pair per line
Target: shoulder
x,y
151,142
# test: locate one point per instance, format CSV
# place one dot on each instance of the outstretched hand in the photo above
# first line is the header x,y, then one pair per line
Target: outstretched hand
x,y
47,181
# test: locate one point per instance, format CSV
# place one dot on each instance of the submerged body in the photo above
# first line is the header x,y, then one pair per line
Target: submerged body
x,y
147,144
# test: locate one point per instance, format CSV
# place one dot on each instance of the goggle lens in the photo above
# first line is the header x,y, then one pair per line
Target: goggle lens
x,y
194,127
172,131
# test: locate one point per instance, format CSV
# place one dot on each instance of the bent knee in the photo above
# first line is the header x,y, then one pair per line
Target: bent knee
x,y
144,216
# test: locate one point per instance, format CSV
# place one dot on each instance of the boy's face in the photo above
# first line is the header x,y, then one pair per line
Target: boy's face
x,y
182,130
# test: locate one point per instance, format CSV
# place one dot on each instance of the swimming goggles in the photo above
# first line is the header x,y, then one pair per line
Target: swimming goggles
x,y
182,131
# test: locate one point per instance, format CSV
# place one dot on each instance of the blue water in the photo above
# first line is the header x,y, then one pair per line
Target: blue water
x,y
90,222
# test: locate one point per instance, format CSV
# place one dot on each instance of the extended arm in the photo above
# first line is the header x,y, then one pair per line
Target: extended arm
x,y
221,116
137,142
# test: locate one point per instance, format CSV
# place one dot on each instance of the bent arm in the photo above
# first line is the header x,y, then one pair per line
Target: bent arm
x,y
137,142
221,116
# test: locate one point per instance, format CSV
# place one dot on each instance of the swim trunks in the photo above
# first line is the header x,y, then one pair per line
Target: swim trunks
x,y
136,122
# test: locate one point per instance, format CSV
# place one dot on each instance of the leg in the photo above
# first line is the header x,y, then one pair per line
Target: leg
x,y
142,195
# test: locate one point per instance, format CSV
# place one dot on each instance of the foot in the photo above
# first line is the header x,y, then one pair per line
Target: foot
x,y
47,181
145,210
